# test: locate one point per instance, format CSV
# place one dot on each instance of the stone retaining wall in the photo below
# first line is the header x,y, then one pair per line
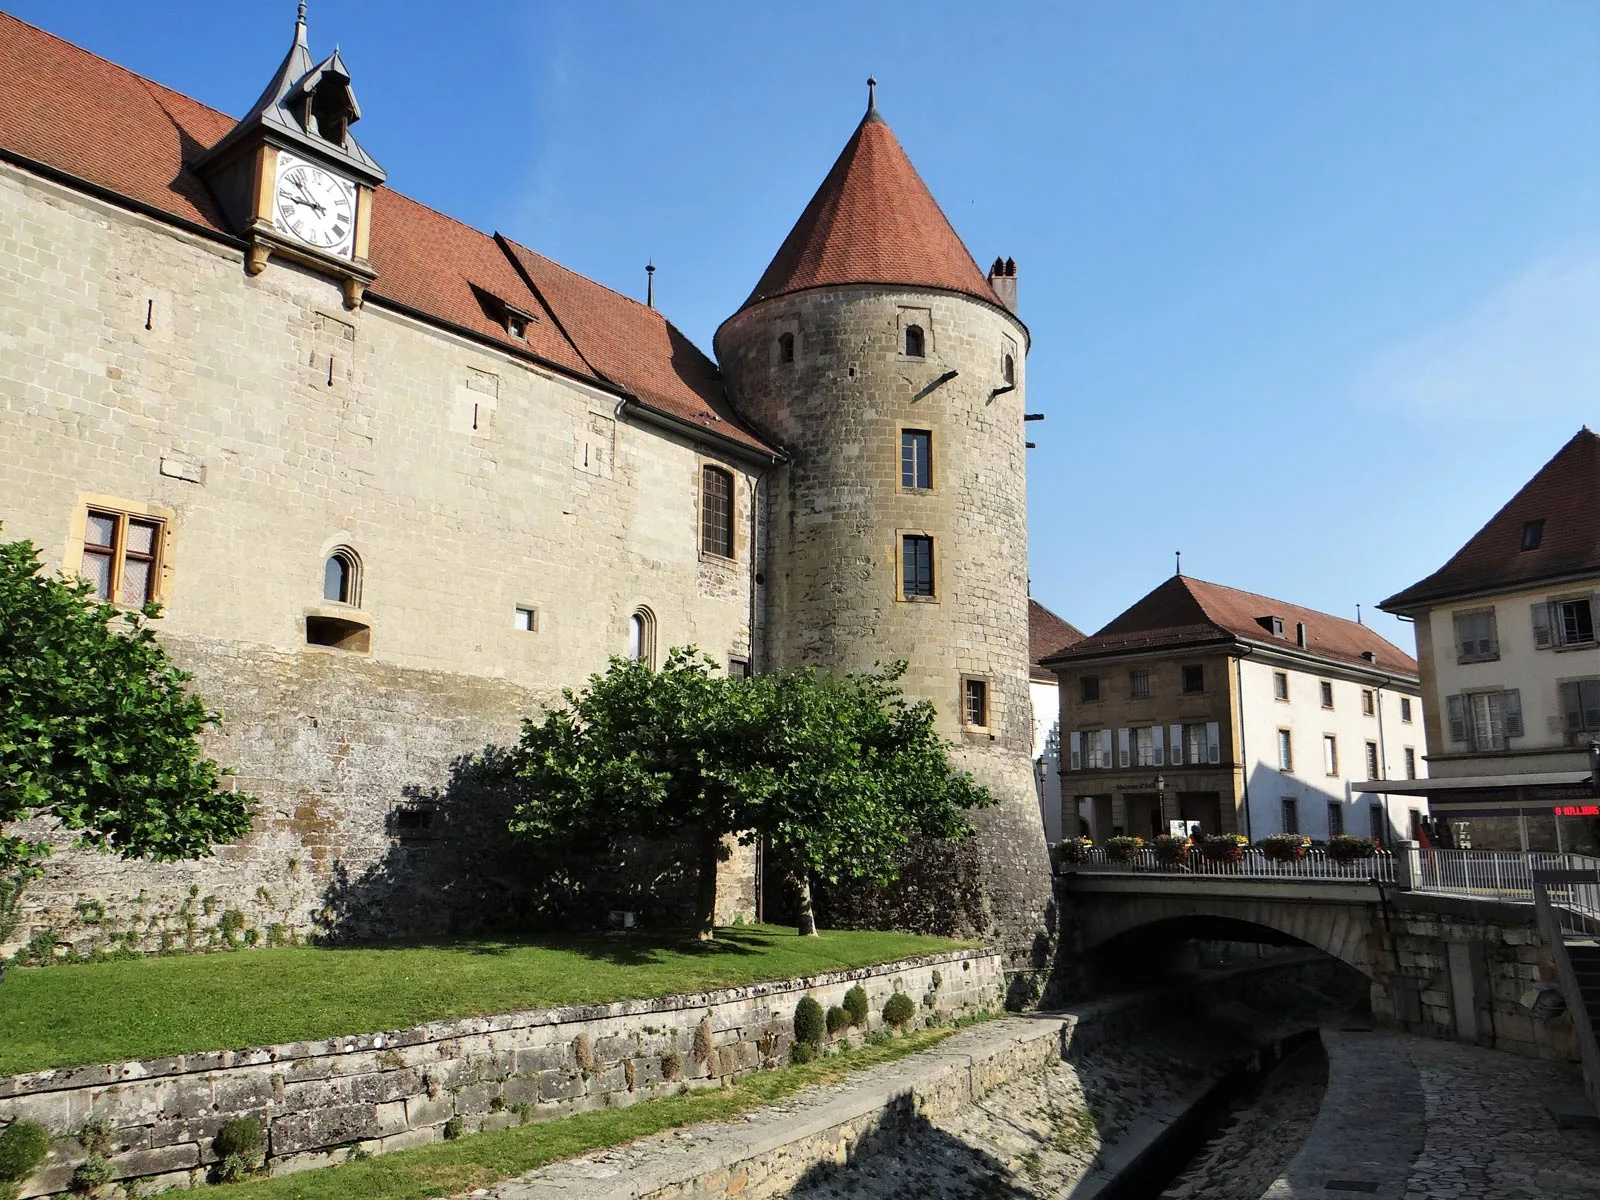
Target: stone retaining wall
x,y
320,1101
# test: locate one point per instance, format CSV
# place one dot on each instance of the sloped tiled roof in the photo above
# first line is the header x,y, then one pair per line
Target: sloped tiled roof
x,y
1047,634
1565,495
91,120
873,220
1184,612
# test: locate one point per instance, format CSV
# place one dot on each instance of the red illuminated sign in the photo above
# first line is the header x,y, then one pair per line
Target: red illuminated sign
x,y
1578,810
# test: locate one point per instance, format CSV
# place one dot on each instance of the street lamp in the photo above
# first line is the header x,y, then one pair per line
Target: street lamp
x,y
1161,800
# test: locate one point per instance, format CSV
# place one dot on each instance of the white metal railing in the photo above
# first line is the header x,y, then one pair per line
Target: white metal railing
x,y
1252,864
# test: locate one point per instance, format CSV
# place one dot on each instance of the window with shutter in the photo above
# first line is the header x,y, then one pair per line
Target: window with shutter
x,y
1543,638
1105,749
1456,708
1214,743
1580,705
1175,739
1160,734
1123,754
1076,742
1511,706
1475,637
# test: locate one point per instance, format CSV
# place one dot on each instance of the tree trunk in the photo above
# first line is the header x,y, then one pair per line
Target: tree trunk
x,y
708,852
808,916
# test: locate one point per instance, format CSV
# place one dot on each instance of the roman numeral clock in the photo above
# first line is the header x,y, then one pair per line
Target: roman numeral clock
x,y
292,181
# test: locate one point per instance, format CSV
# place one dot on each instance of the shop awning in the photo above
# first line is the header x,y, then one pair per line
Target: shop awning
x,y
1476,783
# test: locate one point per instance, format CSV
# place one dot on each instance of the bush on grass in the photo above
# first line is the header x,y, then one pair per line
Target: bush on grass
x,y
809,1023
837,1019
855,1003
900,1009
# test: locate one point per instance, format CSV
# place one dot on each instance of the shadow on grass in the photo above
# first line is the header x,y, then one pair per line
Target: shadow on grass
x,y
906,1146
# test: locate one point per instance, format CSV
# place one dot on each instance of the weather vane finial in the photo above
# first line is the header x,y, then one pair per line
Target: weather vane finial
x,y
300,18
872,94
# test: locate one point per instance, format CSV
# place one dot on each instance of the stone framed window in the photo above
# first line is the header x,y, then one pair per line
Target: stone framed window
x,y
341,577
916,460
917,578
123,549
916,342
642,636
974,702
716,512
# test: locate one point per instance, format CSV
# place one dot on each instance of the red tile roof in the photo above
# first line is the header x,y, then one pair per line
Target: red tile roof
x,y
1565,495
1184,612
1047,634
89,119
873,220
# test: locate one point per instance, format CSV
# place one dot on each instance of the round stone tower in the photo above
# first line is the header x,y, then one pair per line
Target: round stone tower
x,y
889,369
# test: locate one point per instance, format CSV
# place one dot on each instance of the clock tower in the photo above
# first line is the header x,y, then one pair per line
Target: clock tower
x,y
292,180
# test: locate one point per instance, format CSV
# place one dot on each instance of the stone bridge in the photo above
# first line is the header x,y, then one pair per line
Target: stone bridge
x,y
1445,966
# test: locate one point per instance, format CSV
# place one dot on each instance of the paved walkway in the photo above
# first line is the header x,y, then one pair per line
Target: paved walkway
x,y
1408,1118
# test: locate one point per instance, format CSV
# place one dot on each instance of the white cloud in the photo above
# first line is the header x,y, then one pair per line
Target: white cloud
x,y
1531,347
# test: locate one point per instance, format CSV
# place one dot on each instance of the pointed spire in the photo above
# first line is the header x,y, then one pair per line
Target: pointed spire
x,y
300,25
873,220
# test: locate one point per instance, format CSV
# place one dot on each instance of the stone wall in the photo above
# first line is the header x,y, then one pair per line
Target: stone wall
x,y
264,425
321,1101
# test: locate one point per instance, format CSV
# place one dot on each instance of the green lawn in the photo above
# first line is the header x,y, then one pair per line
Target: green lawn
x,y
68,1015
452,1168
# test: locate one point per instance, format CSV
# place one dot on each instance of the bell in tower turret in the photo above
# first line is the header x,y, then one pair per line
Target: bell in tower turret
x,y
890,369
292,180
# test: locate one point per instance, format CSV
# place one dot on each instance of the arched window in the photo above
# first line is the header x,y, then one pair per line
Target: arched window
x,y
716,512
642,637
1008,368
341,577
914,341
786,347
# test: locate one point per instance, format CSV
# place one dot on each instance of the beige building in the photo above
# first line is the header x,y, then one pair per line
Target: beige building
x,y
1205,705
396,482
1511,664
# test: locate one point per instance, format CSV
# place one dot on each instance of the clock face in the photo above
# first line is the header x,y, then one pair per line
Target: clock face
x,y
314,205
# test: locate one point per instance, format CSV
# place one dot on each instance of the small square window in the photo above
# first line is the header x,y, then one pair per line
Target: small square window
x,y
1280,685
1194,679
1089,687
525,619
1405,709
1327,694
1139,684
975,703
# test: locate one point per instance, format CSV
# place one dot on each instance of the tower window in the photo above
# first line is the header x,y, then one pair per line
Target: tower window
x,y
642,637
786,347
975,703
916,460
1008,369
916,552
914,341
341,577
716,512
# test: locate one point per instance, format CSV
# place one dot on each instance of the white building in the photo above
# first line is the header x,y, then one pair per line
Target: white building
x,y
1510,663
1048,633
1243,714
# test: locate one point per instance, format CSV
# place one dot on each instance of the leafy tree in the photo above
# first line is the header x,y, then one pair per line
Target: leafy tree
x,y
97,731
836,773
643,753
849,771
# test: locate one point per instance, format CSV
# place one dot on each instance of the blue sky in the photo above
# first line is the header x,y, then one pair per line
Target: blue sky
x,y
1313,286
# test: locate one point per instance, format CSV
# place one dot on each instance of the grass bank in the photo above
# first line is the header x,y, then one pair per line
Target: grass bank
x,y
478,1160
109,1011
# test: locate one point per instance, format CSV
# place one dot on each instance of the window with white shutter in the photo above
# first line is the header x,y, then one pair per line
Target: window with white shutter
x,y
1456,708
1105,749
1160,736
1123,752
1580,705
1076,742
1543,636
1175,739
1475,637
1214,743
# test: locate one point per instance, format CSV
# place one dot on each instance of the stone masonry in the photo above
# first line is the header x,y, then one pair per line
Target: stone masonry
x,y
320,1101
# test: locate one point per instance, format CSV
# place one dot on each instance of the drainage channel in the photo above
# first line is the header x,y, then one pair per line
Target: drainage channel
x,y
1205,1152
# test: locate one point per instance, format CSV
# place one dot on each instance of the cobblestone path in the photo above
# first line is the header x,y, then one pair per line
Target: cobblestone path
x,y
1488,1135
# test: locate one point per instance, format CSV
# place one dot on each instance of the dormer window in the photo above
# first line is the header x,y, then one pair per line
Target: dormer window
x,y
1273,625
517,324
331,114
1532,533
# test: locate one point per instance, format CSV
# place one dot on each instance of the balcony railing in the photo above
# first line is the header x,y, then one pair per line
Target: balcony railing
x,y
1252,864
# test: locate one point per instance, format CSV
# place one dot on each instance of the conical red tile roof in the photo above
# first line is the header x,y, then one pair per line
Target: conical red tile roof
x,y
873,220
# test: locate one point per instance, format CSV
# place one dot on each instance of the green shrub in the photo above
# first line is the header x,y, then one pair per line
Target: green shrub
x,y
809,1023
837,1019
240,1136
801,1053
89,1176
23,1145
233,1169
96,1135
454,1128
1348,848
855,1003
900,1009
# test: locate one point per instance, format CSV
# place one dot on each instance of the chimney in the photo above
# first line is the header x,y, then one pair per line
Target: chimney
x,y
1003,279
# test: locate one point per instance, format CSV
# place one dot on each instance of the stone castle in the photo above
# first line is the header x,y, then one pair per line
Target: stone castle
x,y
396,482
